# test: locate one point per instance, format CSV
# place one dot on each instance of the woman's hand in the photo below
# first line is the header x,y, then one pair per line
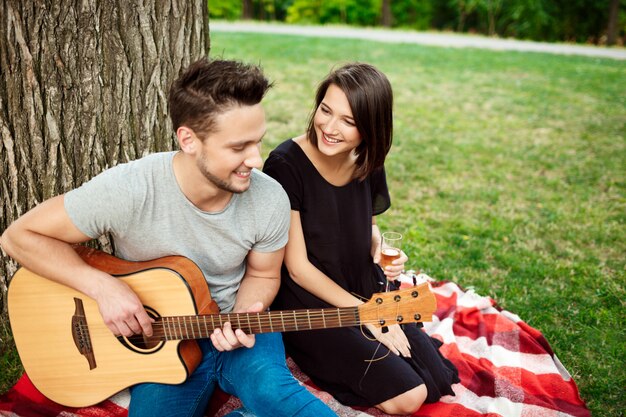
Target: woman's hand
x,y
393,271
394,339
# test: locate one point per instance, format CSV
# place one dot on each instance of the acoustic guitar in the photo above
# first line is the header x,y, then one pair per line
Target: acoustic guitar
x,y
74,359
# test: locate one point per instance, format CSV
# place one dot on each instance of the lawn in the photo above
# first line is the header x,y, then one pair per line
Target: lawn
x,y
507,174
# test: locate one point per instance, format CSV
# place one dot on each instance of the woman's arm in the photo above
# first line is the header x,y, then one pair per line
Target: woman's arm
x,y
306,275
319,284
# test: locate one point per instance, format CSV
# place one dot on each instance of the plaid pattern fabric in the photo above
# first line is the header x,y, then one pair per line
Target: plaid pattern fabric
x,y
507,369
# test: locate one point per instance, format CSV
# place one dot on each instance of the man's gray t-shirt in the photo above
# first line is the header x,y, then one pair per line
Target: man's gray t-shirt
x,y
144,209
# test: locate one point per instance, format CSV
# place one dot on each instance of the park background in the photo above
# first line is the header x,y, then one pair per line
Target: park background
x,y
586,21
507,172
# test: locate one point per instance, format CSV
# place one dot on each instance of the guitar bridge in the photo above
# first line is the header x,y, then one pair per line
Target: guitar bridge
x,y
80,333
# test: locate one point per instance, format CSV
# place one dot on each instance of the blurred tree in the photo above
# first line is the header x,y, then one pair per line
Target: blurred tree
x,y
493,10
415,14
247,10
357,12
530,19
304,11
225,9
385,11
612,27
464,8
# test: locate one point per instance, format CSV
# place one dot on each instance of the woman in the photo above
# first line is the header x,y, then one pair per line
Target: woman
x,y
335,179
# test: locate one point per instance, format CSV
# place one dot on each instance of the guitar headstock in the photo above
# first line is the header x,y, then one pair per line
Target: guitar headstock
x,y
410,305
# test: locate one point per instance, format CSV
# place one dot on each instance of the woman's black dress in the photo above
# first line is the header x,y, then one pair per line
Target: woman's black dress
x,y
336,222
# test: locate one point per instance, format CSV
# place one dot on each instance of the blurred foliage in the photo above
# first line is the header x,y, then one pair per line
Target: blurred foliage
x,y
583,21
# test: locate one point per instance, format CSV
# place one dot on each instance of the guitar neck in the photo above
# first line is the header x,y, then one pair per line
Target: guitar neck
x,y
201,327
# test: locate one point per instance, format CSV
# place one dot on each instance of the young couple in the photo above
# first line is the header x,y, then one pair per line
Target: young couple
x,y
302,235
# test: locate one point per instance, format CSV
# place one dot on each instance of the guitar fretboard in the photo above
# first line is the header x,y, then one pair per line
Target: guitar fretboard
x,y
200,327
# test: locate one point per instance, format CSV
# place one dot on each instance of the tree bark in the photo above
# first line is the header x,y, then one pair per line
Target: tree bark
x,y
83,87
612,28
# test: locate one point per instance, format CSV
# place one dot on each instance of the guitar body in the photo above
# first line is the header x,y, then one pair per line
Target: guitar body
x,y
74,359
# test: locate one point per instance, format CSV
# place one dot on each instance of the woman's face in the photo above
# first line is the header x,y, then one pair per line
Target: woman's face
x,y
334,124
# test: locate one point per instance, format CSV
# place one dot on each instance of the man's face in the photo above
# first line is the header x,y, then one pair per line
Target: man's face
x,y
233,148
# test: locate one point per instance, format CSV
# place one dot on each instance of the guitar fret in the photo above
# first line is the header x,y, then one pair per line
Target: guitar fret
x,y
164,324
269,316
258,316
186,334
212,322
339,316
198,325
295,319
180,329
282,320
193,334
249,325
323,318
239,321
308,316
205,328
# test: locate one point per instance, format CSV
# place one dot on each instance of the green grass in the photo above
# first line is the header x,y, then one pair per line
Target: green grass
x,y
507,175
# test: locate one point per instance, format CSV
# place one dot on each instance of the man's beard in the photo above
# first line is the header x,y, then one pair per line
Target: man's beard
x,y
218,182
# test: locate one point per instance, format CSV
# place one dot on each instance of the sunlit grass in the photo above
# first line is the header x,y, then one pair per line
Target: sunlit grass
x,y
507,175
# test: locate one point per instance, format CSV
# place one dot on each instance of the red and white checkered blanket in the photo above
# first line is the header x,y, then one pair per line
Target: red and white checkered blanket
x,y
507,369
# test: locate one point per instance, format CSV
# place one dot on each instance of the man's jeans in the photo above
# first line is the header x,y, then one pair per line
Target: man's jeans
x,y
258,376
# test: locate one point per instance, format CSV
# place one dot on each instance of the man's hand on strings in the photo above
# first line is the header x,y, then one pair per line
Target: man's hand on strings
x,y
227,338
121,310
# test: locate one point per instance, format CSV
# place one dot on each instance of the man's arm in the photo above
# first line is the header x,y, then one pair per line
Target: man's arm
x,y
261,281
258,288
41,241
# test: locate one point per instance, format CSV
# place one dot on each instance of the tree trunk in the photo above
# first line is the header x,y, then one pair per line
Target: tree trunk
x,y
611,32
83,87
386,16
247,10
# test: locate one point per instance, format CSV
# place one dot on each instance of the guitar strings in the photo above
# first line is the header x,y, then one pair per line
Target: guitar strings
x,y
282,321
179,325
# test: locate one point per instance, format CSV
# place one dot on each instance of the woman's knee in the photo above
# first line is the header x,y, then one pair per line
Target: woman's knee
x,y
405,403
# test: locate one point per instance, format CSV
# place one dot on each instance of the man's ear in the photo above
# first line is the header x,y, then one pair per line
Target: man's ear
x,y
187,139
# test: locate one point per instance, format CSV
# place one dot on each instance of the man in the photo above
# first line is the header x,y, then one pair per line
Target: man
x,y
205,202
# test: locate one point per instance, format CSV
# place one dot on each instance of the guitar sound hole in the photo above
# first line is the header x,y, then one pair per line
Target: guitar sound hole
x,y
143,343
139,342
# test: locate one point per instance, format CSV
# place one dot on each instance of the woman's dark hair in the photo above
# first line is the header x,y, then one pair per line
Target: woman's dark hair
x,y
208,88
371,100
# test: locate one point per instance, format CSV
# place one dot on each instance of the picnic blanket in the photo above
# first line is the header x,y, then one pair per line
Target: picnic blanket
x,y
506,367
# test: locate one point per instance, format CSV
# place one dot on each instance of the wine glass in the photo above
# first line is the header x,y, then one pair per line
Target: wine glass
x,y
391,249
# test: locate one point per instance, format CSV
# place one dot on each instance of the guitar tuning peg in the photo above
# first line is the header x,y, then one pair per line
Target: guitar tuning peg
x,y
384,329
